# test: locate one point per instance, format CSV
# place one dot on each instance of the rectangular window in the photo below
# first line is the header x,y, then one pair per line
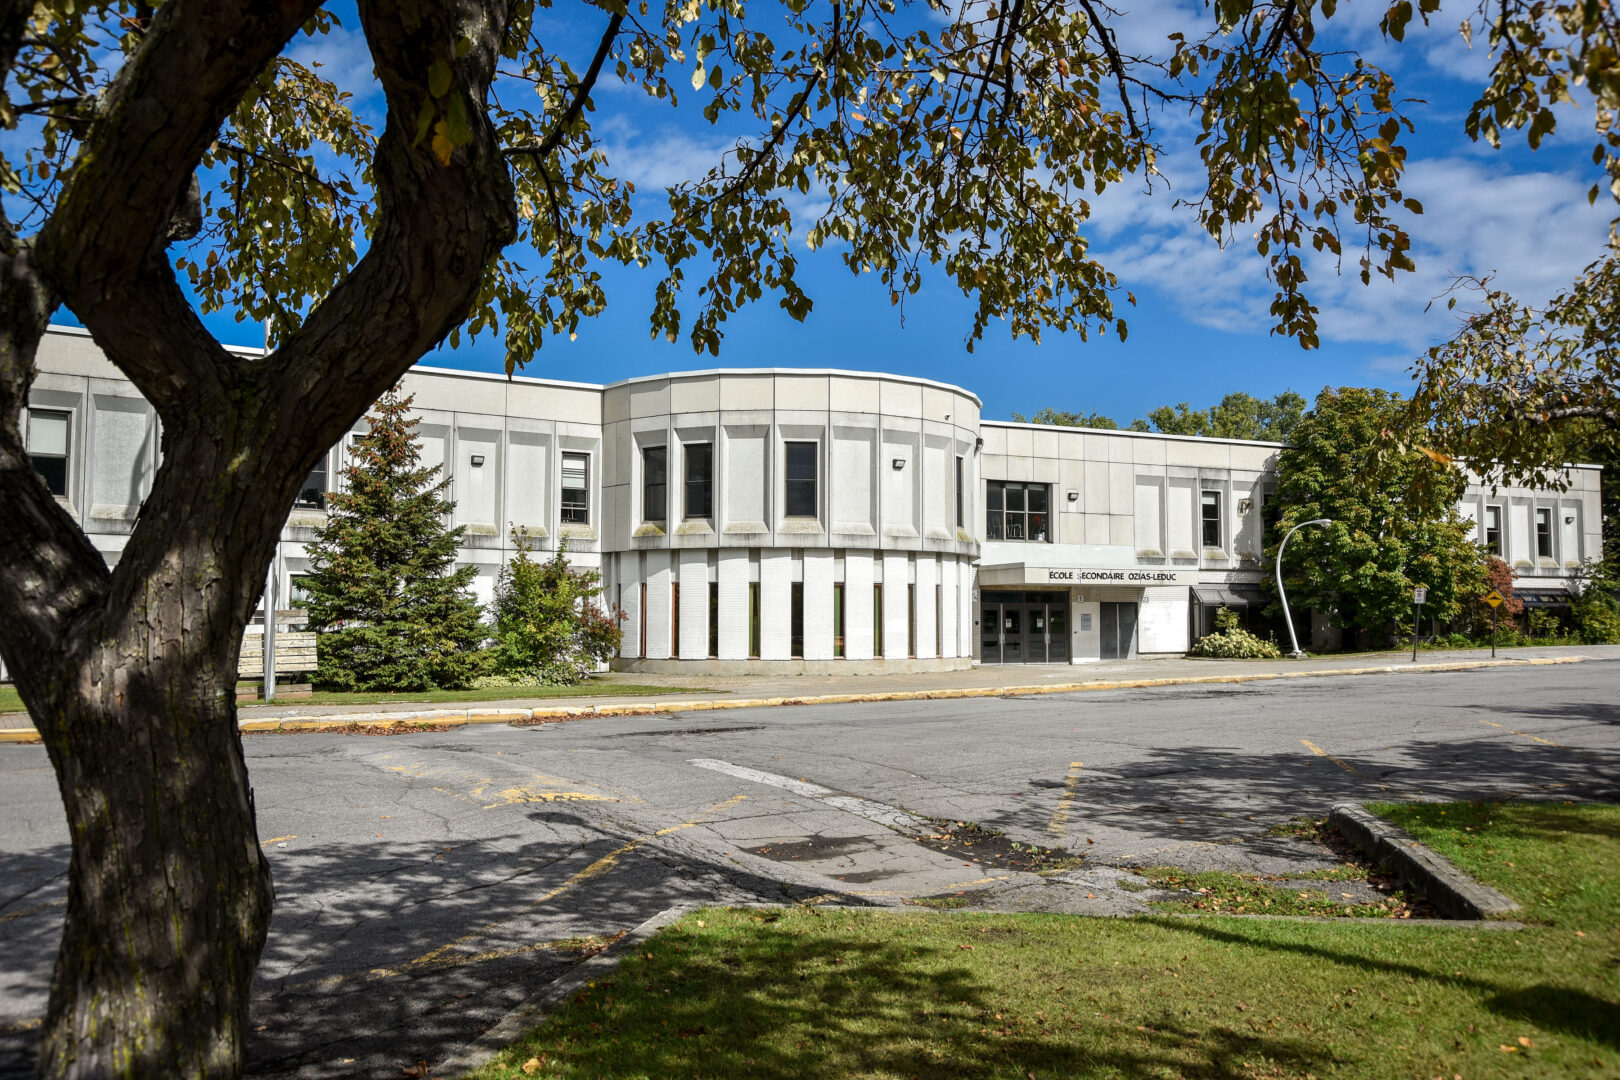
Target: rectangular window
x,y
576,489
796,621
298,592
753,620
675,619
654,484
699,493
313,493
801,479
939,620
48,447
960,519
877,620
838,619
1210,514
643,652
1493,530
911,620
1017,511
714,618
1544,534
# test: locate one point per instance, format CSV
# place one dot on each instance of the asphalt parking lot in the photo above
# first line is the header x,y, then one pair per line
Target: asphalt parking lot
x,y
426,883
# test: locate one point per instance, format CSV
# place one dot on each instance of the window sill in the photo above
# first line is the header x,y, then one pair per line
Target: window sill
x,y
802,526
695,527
648,529
576,532
746,528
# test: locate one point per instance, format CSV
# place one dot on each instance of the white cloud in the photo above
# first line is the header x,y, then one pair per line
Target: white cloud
x,y
343,58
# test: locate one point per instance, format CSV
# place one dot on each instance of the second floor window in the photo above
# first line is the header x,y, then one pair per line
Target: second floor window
x,y
1210,515
48,447
1493,530
699,493
576,489
801,479
313,493
654,484
1544,534
960,495
1017,511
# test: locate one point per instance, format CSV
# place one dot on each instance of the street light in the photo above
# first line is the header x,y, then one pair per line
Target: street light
x,y
1287,617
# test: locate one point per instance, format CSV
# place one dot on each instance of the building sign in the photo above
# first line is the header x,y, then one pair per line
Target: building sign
x,y
1126,577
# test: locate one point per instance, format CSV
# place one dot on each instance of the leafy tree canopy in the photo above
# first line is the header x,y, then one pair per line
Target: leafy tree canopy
x,y
1237,416
1389,532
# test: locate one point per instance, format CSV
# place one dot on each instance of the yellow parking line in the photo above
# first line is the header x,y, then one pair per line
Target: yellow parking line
x,y
1060,817
1345,765
277,840
595,869
1525,735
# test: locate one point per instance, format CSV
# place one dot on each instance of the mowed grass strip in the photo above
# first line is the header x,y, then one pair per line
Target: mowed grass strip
x,y
824,992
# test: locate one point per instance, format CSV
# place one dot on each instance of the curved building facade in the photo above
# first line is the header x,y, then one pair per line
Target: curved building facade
x,y
814,521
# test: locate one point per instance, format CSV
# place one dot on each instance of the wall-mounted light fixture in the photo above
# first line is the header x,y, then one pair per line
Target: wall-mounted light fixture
x,y
978,443
1245,505
478,461
1074,496
1569,519
898,463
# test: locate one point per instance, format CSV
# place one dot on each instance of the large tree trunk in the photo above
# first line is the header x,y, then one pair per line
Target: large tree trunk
x,y
130,673
169,895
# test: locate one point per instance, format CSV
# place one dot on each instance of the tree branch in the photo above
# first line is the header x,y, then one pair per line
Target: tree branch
x,y
103,249
544,148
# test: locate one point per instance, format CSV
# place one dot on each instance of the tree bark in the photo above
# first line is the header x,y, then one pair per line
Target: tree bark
x,y
130,673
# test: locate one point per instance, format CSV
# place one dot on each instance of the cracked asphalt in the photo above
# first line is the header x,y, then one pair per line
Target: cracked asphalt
x,y
428,883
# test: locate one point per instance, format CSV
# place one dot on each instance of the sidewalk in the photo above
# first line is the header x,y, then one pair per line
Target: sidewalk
x,y
692,693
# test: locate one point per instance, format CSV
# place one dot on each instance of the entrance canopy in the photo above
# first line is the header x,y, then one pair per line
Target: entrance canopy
x,y
1540,598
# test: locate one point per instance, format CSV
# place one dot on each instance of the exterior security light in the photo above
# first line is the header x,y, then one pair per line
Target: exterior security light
x,y
899,462
1569,519
1074,496
1245,505
478,461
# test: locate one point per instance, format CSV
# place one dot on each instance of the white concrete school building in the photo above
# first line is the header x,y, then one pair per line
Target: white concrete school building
x,y
792,520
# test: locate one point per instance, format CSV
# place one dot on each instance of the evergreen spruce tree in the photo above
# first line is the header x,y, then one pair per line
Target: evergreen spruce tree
x,y
392,610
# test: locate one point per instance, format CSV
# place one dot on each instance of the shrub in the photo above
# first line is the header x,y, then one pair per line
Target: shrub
x,y
1231,642
549,629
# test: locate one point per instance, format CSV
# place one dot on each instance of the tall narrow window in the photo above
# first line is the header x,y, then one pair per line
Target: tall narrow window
x,y
714,619
576,489
994,510
939,620
1210,514
644,620
1493,530
877,620
48,447
801,479
796,621
675,619
753,620
838,619
960,518
313,493
654,484
699,493
1544,533
911,620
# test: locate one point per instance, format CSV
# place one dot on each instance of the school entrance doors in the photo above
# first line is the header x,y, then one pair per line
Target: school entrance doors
x,y
1024,627
1118,630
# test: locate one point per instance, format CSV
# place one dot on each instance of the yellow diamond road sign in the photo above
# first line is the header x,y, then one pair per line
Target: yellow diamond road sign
x,y
1494,598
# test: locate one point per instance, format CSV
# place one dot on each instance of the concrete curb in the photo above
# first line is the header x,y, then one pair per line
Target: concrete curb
x,y
509,1028
1448,888
544,714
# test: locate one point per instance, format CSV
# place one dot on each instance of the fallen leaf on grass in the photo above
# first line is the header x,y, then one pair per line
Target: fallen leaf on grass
x,y
1524,1040
969,948
1509,1049
532,1066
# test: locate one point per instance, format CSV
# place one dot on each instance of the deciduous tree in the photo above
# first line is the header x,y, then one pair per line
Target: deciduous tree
x,y
1394,523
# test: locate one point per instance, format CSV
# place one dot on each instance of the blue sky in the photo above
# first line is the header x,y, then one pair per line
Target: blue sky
x,y
1199,329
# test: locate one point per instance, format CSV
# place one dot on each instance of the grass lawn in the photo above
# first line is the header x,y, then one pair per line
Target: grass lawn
x,y
812,992
10,700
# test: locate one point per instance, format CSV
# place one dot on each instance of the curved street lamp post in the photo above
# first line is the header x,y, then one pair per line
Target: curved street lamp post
x,y
1287,616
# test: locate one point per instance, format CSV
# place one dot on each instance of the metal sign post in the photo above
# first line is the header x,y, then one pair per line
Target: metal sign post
x,y
1419,595
269,671
1496,600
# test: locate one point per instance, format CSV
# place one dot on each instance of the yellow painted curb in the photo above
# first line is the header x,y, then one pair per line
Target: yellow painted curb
x,y
458,718
18,735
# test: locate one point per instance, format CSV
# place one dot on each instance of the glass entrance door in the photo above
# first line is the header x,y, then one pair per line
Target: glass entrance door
x,y
1023,628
